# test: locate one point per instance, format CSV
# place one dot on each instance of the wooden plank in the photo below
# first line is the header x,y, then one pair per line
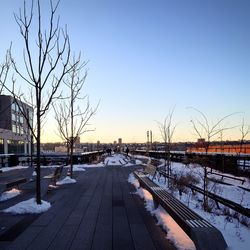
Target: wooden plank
x,y
156,233
49,232
122,238
85,233
23,240
54,220
139,232
103,231
121,232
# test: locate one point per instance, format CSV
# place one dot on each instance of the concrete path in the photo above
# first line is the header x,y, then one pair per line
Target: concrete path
x,y
100,211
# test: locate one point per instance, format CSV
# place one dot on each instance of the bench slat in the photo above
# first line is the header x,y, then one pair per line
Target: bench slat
x,y
175,204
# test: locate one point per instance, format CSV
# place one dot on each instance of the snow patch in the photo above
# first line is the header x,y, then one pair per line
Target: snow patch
x,y
28,207
6,169
78,168
66,180
9,194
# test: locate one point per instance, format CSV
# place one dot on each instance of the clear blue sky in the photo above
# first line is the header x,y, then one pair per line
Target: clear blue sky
x,y
145,57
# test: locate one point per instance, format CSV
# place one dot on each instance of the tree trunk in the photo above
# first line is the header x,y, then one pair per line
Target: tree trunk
x,y
71,158
38,156
72,133
205,187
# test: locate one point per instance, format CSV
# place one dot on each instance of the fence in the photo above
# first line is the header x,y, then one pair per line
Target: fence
x,y
10,160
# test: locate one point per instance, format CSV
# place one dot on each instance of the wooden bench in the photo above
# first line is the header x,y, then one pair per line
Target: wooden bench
x,y
31,186
11,183
149,169
54,177
15,181
203,234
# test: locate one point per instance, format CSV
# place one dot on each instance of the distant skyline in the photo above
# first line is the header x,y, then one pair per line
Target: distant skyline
x,y
146,57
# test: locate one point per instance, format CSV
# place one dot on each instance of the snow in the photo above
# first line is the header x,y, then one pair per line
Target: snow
x,y
78,168
9,194
6,169
28,207
81,167
232,192
97,165
66,180
174,233
121,160
235,233
115,160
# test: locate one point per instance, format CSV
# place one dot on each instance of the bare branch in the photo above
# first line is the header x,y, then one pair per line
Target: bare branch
x,y
4,71
46,64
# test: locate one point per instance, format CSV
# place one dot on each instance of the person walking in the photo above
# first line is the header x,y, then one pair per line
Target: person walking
x,y
127,151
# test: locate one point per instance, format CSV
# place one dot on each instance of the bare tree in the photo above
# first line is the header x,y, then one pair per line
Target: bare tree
x,y
46,60
4,70
206,132
239,148
72,119
167,129
244,130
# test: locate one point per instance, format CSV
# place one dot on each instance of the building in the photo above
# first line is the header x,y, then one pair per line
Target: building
x,y
61,149
120,141
15,135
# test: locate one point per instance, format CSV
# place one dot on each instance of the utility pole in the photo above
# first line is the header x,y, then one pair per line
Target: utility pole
x,y
151,139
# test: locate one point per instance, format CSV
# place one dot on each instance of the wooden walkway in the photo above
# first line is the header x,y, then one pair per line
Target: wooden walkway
x,y
100,211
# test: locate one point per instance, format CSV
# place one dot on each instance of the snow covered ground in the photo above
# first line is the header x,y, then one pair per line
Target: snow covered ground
x,y
236,234
28,207
232,192
6,169
9,194
121,160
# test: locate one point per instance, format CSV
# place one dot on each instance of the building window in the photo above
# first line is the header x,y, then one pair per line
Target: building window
x,y
1,146
14,128
21,119
20,109
15,147
30,118
13,106
13,116
17,129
